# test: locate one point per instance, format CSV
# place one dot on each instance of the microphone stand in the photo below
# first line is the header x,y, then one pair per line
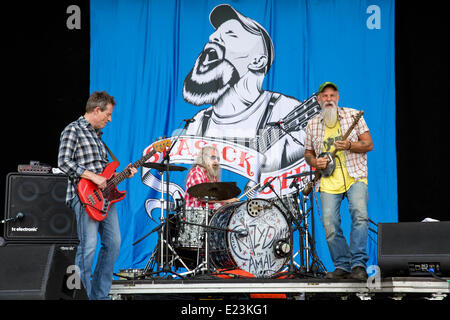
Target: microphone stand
x,y
288,133
164,260
166,162
316,267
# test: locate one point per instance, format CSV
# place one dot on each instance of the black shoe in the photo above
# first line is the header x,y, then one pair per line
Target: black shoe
x,y
338,274
359,273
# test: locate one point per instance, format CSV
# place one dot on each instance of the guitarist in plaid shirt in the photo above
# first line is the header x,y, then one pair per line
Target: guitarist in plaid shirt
x,y
82,154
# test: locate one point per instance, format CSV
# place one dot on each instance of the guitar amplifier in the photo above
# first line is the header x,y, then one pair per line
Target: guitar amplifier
x,y
35,209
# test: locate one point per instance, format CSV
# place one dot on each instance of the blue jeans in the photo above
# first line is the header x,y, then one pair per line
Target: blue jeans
x,y
346,256
98,284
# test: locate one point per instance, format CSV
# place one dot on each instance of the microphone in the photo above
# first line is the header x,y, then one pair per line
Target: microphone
x,y
19,216
267,184
274,124
189,120
293,183
241,233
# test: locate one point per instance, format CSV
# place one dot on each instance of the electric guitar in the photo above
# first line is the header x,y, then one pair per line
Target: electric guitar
x,y
331,163
97,201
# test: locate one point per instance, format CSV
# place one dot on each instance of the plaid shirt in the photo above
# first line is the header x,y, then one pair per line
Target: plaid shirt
x,y
315,131
81,148
196,176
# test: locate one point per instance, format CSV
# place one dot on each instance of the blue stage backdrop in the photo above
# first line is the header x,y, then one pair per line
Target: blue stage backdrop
x,y
166,61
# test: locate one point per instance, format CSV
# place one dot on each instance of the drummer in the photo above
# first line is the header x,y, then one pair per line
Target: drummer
x,y
206,168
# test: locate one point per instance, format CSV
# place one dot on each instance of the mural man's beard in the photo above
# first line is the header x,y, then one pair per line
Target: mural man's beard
x,y
210,78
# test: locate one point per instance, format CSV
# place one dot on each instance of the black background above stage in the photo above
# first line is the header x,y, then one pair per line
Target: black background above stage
x,y
45,68
46,71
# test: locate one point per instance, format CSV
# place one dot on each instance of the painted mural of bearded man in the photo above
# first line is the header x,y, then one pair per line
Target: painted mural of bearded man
x,y
228,74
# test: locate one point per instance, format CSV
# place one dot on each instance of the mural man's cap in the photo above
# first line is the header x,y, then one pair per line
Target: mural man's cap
x,y
225,12
327,84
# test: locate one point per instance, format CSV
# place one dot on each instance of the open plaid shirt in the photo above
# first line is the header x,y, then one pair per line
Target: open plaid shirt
x,y
196,176
81,148
315,131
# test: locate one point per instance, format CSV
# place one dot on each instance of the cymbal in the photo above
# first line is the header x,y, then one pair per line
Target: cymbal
x,y
300,175
162,167
214,190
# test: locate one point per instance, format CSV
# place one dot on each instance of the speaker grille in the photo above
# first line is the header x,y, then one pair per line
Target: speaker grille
x,y
38,272
41,200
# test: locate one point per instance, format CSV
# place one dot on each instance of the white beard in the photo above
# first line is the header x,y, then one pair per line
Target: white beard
x,y
213,172
329,114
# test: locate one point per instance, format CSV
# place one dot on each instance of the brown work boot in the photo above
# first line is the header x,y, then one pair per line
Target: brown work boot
x,y
338,274
359,273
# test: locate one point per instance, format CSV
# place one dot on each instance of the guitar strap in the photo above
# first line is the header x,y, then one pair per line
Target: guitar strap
x,y
268,112
113,157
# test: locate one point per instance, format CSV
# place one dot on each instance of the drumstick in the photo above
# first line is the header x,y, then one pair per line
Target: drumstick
x,y
249,190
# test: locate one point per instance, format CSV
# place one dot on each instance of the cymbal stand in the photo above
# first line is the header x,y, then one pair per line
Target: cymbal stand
x,y
207,236
166,162
163,223
205,266
164,231
163,235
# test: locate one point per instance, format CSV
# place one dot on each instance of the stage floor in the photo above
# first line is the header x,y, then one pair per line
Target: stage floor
x,y
299,289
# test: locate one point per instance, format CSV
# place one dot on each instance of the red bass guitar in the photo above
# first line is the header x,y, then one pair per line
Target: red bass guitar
x,y
97,201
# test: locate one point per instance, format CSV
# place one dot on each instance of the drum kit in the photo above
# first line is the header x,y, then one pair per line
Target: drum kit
x,y
255,236
251,238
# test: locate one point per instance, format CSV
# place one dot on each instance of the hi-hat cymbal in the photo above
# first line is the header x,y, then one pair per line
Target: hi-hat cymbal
x,y
162,167
300,175
214,190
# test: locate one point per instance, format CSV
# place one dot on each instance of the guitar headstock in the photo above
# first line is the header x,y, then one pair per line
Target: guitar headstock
x,y
358,116
160,145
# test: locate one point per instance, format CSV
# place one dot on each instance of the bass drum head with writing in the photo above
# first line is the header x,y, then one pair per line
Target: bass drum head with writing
x,y
261,225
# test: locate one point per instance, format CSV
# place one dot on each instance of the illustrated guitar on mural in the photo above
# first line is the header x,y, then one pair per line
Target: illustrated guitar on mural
x,y
97,201
295,120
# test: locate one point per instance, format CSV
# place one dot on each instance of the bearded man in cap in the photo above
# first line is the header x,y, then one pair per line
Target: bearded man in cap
x,y
349,179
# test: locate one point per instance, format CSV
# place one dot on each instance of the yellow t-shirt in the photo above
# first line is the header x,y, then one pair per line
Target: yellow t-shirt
x,y
339,181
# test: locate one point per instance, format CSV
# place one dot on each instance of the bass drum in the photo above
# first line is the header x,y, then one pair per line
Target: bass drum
x,y
260,240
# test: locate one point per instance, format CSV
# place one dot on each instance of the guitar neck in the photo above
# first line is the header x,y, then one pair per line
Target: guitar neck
x,y
118,178
347,133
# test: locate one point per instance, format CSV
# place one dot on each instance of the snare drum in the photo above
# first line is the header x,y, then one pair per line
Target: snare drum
x,y
190,236
259,229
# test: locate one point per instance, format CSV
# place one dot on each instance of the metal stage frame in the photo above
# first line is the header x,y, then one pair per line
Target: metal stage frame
x,y
396,288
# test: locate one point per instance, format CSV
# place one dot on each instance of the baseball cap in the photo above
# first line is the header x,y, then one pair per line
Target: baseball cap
x,y
326,84
225,12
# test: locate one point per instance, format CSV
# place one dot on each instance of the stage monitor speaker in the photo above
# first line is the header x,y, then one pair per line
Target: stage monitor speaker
x,y
414,248
35,209
39,272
